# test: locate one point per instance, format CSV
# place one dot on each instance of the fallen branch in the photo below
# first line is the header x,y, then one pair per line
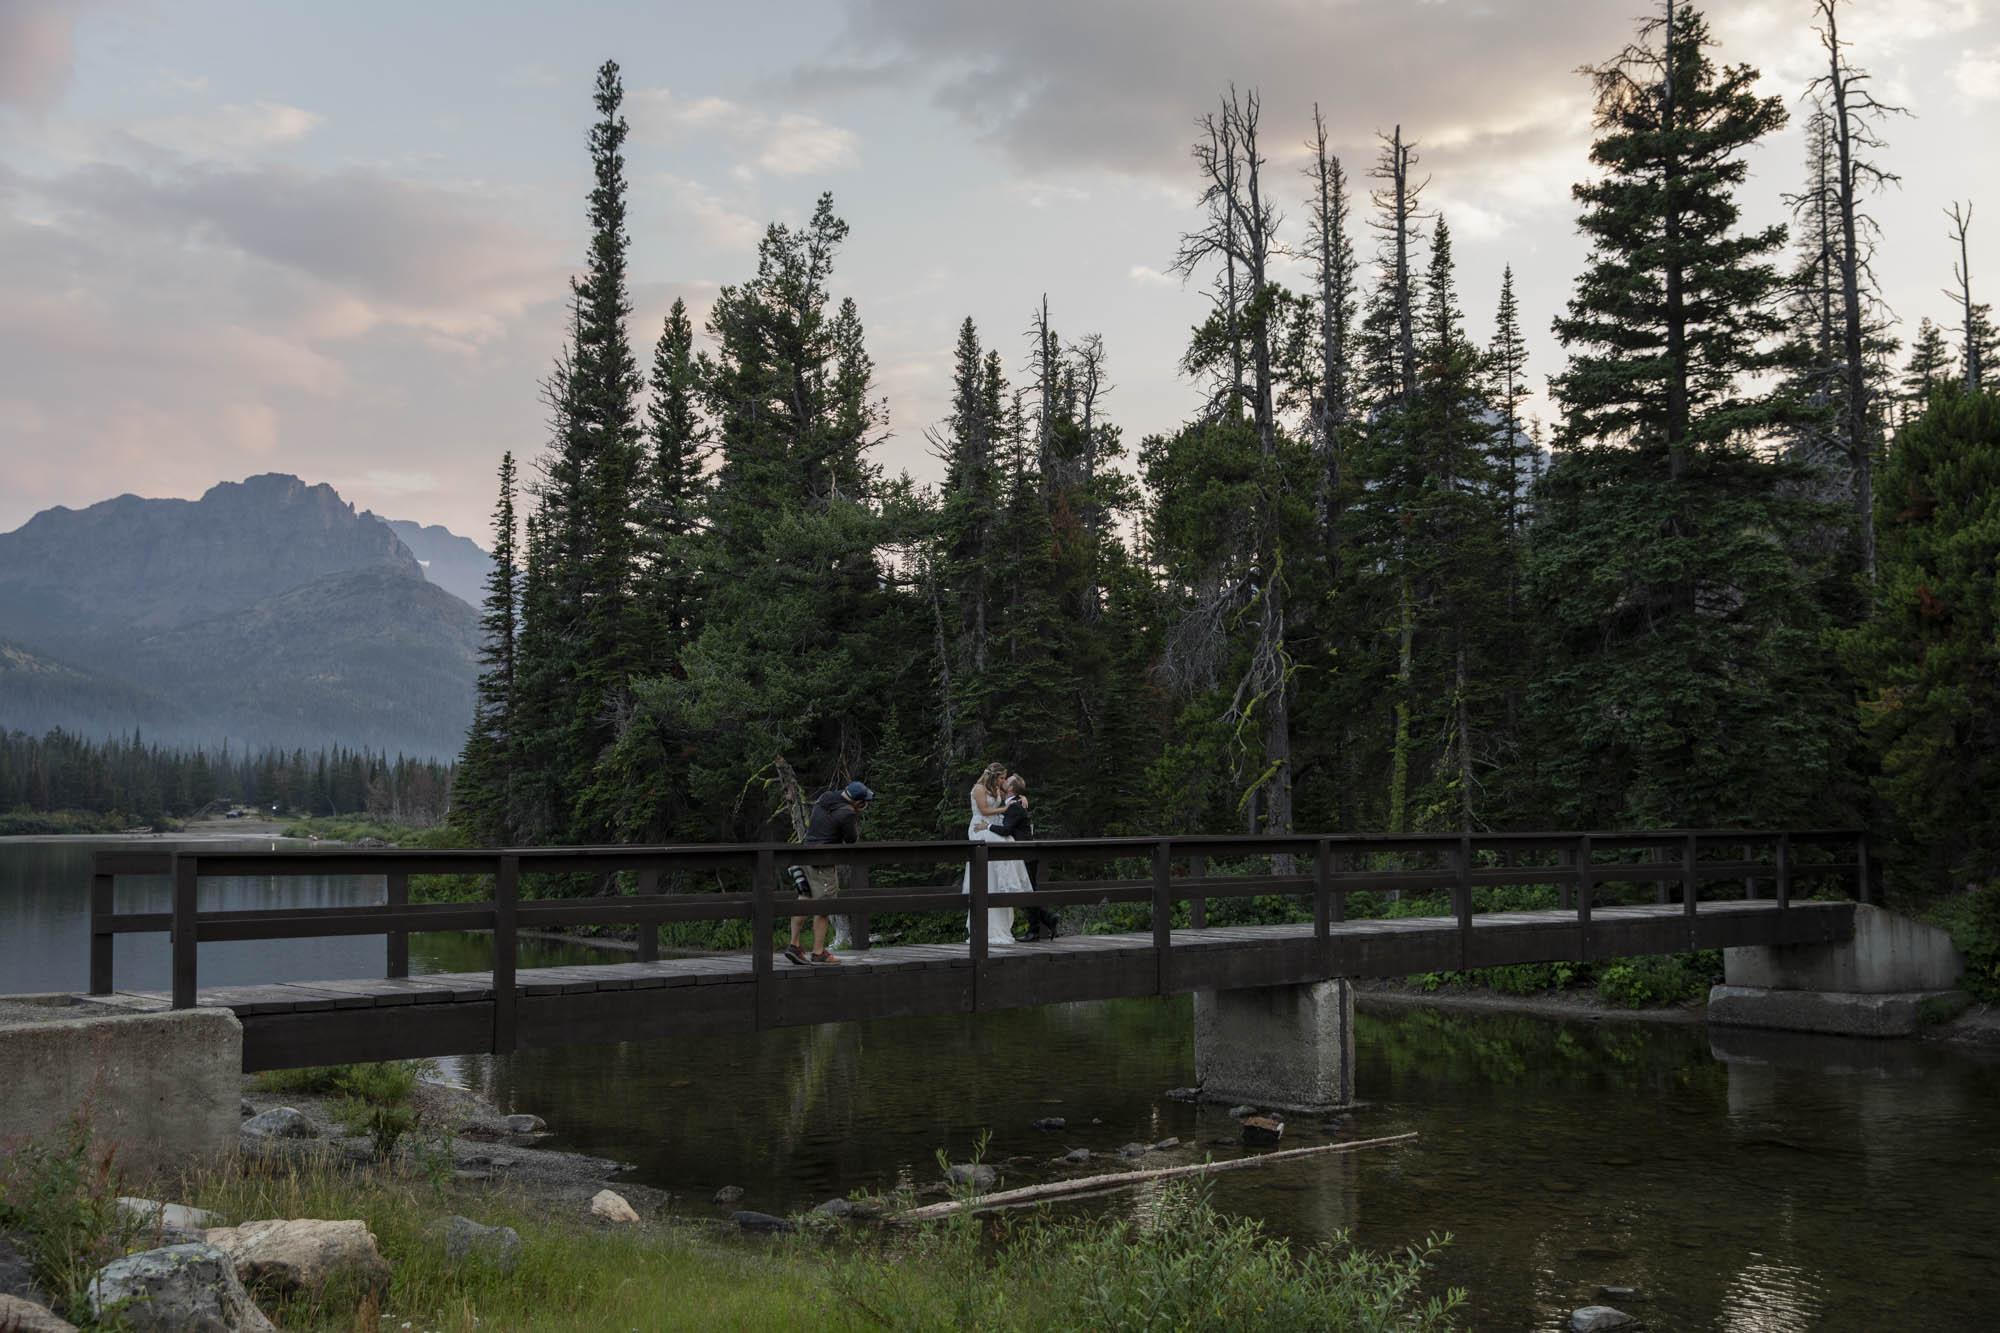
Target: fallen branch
x,y
1125,1179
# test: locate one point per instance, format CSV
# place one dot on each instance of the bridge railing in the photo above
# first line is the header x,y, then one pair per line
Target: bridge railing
x,y
1588,870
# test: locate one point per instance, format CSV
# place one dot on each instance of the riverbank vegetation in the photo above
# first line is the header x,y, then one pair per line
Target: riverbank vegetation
x,y
1736,582
1178,1264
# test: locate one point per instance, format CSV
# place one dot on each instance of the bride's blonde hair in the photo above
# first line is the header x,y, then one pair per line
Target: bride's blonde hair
x,y
990,779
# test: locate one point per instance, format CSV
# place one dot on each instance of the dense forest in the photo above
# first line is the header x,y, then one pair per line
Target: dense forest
x,y
142,783
1747,579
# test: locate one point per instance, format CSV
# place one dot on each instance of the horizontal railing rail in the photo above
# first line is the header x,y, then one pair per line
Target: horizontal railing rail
x,y
1582,867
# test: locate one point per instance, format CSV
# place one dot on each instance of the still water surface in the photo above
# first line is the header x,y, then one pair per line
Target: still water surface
x,y
1738,1181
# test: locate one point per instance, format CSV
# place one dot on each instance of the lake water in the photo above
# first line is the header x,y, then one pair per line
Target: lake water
x,y
1738,1181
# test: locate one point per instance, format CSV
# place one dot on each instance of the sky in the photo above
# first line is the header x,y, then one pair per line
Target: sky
x,y
334,240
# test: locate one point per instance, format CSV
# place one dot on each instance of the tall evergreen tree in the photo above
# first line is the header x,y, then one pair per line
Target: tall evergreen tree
x,y
480,796
1679,684
672,498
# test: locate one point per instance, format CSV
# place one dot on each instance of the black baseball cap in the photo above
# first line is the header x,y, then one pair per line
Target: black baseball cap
x,y
858,791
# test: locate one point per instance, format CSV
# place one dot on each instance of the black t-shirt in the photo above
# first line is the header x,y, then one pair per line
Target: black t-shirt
x,y
833,820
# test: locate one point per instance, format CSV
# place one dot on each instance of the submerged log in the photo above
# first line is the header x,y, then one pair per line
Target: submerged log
x,y
1125,1179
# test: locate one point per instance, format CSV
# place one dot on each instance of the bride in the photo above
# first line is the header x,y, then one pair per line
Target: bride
x,y
989,804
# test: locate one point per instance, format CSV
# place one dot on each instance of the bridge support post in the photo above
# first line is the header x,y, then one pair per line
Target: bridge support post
x,y
1288,1048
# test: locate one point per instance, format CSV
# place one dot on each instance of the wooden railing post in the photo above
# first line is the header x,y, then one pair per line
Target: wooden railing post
x,y
1690,885
1784,871
102,903
506,899
186,875
763,922
975,923
857,922
1197,906
1324,907
396,892
649,931
1163,916
1585,871
1461,900
1750,879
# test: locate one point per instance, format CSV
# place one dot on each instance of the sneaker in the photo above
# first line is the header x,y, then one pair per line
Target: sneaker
x,y
824,956
793,953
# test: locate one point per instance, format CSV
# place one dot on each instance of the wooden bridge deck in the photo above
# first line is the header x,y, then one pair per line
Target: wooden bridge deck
x,y
326,1022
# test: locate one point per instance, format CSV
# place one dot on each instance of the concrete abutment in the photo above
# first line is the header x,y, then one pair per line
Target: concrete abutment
x,y
1286,1048
1891,977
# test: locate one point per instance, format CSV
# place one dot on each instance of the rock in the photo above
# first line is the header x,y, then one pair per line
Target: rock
x,y
841,1208
1598,1319
1076,1156
524,1124
1049,1124
980,1177
1616,1294
1183,1094
750,1221
247,1109
1133,1150
464,1239
612,1207
280,1122
303,1255
174,1289
729,1194
869,1209
24,1316
1165,1144
1262,1130
471,1177
148,1214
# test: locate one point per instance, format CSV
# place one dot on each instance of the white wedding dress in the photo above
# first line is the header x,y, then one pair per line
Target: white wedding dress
x,y
1001,877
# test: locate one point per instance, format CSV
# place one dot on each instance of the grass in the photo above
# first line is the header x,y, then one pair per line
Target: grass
x,y
1181,1265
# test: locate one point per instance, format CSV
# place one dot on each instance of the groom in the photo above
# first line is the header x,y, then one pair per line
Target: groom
x,y
1013,825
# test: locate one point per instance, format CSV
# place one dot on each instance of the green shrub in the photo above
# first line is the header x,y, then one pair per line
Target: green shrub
x,y
1973,918
371,1099
1661,979
61,1200
1182,1265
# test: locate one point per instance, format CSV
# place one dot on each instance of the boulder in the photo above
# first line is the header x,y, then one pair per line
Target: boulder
x,y
1260,1131
1077,1156
1598,1319
303,1255
1165,1144
465,1239
524,1124
1134,1150
25,1316
750,1221
1049,1124
840,1208
280,1122
981,1177
174,1290
611,1206
1238,1112
729,1194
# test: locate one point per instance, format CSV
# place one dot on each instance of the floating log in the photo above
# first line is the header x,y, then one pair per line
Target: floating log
x,y
1116,1180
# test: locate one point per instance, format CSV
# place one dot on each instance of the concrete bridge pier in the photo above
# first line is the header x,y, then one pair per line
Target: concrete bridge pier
x,y
1892,976
1288,1048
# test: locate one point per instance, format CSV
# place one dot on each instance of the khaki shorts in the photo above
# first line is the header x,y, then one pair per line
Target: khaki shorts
x,y
816,881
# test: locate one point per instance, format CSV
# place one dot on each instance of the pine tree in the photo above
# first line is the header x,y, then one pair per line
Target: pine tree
x,y
1978,342
1679,683
1929,365
480,802
673,496
1929,660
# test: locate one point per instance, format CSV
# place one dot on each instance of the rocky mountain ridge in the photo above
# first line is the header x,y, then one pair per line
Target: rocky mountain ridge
x,y
268,612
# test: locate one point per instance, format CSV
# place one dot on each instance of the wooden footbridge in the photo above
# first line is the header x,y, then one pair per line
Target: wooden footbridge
x,y
1618,895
